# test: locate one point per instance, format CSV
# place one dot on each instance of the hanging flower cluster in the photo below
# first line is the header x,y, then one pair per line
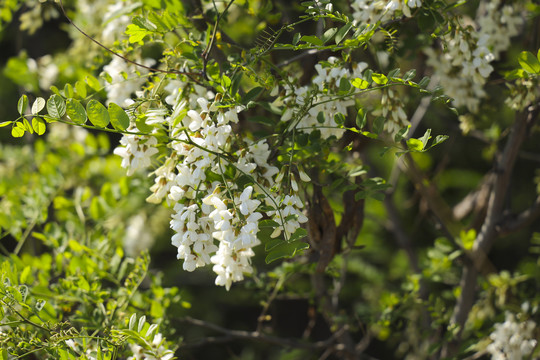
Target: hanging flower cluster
x,y
465,64
216,219
372,11
322,108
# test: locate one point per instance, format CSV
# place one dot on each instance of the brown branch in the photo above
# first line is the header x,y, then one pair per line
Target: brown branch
x,y
430,194
510,225
258,336
489,231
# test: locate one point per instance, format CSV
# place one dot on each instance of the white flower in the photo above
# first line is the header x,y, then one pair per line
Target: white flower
x,y
246,205
512,340
137,152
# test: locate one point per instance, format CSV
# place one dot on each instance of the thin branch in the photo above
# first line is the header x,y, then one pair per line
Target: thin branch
x,y
268,302
299,57
210,45
258,336
525,218
117,54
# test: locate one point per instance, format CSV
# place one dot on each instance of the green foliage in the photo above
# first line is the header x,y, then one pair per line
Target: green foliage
x,y
288,117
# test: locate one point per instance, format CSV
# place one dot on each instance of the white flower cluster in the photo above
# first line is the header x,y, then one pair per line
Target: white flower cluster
x,y
372,11
136,151
512,340
325,86
123,80
392,109
465,63
216,220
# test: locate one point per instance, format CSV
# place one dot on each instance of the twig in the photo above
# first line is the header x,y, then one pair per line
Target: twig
x,y
298,57
210,45
258,336
268,302
523,219
117,54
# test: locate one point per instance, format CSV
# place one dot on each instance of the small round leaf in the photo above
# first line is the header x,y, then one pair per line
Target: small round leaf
x,y
76,111
22,104
97,113
38,105
38,125
119,118
56,107
17,130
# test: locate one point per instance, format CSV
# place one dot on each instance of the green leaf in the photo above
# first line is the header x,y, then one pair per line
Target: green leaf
x,y
344,85
361,118
529,62
27,126
300,233
136,34
235,82
75,111
360,83
320,117
142,321
22,104
516,74
17,130
425,138
80,88
378,124
97,113
272,243
380,79
339,118
38,105
415,144
424,82
402,133
143,126
93,82
370,135
357,171
225,82
439,139
252,94
38,125
296,38
144,23
285,250
394,72
68,91
119,118
132,320
312,40
409,75
329,34
56,107
55,90
5,123
342,32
